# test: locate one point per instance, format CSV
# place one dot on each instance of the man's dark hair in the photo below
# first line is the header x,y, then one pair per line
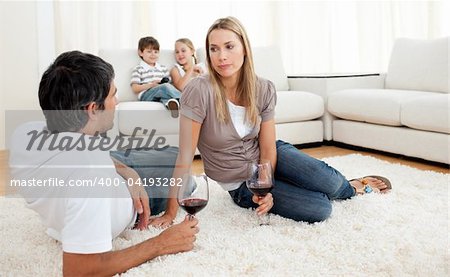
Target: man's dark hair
x,y
69,85
148,42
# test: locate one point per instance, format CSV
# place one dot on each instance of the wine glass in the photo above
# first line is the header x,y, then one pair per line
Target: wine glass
x,y
260,183
193,194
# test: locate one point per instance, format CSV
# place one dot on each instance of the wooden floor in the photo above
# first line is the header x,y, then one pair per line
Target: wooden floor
x,y
318,152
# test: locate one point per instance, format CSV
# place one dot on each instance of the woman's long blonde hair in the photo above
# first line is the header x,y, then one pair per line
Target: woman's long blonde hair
x,y
246,90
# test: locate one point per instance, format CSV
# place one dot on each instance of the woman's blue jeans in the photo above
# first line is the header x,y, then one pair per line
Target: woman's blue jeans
x,y
152,164
303,189
161,93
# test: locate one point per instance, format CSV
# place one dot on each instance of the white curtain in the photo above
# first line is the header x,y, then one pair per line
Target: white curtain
x,y
313,36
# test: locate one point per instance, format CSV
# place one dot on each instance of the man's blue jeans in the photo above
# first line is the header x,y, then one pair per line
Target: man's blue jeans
x,y
303,189
152,164
161,93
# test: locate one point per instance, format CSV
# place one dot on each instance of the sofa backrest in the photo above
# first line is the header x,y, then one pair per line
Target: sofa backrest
x,y
268,64
123,61
419,65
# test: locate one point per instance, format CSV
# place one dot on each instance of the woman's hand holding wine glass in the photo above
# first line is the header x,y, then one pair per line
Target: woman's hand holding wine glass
x,y
265,203
260,183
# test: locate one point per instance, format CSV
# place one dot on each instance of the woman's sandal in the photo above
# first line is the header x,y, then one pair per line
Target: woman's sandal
x,y
368,189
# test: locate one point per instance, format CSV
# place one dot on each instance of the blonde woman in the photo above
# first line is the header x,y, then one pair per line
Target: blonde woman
x,y
186,67
229,116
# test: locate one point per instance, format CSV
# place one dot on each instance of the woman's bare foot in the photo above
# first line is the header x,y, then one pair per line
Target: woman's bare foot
x,y
368,184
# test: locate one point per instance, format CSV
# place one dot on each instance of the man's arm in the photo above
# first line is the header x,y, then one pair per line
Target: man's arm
x,y
178,238
138,194
180,82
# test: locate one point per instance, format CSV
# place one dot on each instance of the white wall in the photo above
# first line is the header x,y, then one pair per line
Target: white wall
x,y
315,36
18,59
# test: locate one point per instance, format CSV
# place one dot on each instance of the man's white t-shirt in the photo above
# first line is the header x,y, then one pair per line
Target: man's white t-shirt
x,y
85,219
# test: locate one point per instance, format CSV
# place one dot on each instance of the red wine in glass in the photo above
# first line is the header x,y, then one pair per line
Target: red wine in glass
x,y
193,194
260,190
193,205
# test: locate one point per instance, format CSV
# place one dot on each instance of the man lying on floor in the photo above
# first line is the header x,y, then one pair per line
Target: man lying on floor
x,y
84,198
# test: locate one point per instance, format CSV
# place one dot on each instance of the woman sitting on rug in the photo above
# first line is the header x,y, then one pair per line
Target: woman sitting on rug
x,y
229,115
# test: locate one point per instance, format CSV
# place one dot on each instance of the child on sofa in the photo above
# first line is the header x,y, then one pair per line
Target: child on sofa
x,y
186,67
151,80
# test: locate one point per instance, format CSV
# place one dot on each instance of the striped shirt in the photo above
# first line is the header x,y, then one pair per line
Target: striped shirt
x,y
144,73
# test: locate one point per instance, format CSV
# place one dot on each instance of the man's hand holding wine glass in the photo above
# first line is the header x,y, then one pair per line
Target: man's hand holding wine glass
x,y
180,237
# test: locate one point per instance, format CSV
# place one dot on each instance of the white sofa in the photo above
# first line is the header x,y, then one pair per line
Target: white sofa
x,y
406,111
297,113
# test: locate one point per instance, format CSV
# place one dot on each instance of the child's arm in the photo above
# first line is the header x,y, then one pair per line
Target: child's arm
x,y
137,88
180,82
137,84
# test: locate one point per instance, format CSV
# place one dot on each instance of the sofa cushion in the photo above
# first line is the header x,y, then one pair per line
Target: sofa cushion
x,y
293,106
429,113
379,106
146,116
419,65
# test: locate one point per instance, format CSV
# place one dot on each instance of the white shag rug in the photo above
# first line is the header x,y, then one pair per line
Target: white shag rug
x,y
403,233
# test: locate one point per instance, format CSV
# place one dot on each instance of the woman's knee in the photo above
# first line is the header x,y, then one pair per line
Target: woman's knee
x,y
318,214
321,214
310,210
282,145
